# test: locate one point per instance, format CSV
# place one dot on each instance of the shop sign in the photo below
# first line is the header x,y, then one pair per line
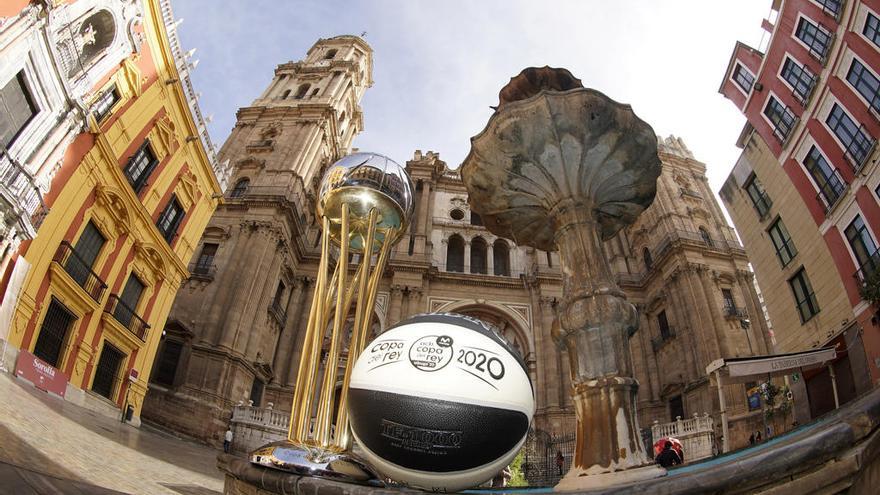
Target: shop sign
x,y
41,374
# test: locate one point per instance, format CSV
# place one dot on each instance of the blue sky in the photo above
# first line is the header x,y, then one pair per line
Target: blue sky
x,y
438,65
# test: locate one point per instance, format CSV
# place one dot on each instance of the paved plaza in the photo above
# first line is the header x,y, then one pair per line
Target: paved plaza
x,y
46,443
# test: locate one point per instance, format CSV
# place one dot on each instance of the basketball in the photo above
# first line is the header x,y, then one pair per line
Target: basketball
x,y
440,402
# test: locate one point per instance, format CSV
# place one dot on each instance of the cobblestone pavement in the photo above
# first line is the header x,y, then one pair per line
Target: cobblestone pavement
x,y
61,440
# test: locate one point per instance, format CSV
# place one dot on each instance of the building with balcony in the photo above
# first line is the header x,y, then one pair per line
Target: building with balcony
x,y
804,192
129,192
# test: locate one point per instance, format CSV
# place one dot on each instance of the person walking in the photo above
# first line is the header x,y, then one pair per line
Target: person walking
x,y
668,457
227,441
560,461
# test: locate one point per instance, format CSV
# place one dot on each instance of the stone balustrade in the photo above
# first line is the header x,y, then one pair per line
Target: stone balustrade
x,y
253,427
697,435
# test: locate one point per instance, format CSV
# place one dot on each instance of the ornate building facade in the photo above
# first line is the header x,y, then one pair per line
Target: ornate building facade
x,y
129,185
236,327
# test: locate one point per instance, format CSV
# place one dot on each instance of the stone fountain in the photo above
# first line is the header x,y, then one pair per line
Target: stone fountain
x,y
563,167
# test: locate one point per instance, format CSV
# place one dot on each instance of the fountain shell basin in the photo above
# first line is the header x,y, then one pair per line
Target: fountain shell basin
x,y
560,157
366,181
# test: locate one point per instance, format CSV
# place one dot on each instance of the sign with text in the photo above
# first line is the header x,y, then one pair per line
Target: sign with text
x,y
41,374
775,364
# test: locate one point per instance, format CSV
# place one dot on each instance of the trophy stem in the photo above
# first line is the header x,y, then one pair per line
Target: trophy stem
x,y
335,295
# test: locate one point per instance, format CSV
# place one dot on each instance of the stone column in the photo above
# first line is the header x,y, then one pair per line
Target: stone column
x,y
643,335
395,304
754,328
757,320
467,256
718,322
549,354
284,344
249,275
297,340
259,307
490,259
689,347
424,208
701,300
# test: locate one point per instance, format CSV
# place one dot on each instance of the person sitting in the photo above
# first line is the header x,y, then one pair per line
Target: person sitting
x,y
668,457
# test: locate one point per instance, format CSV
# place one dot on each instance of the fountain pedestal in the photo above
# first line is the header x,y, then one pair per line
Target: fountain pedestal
x,y
562,167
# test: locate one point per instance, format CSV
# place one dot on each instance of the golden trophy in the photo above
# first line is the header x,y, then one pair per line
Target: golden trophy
x,y
364,206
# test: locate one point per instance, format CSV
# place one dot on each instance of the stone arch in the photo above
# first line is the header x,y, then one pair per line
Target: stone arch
x,y
95,35
705,235
240,188
510,325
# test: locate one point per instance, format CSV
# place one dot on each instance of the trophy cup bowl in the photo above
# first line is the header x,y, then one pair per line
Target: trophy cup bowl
x,y
364,181
365,203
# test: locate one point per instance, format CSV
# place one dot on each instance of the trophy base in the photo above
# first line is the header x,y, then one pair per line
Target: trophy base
x,y
307,460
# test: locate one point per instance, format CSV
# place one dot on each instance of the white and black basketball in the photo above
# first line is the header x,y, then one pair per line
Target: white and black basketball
x,y
440,402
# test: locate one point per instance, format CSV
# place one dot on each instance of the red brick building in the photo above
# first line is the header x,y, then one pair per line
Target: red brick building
x,y
804,192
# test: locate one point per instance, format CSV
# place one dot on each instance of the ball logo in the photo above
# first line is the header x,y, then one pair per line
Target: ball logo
x,y
431,353
384,352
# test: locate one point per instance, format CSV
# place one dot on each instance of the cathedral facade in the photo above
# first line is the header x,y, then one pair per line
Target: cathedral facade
x,y
237,325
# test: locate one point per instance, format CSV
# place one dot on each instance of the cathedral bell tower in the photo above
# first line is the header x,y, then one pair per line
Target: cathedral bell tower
x,y
236,327
309,114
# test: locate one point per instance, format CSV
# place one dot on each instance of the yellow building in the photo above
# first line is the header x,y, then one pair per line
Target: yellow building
x,y
128,203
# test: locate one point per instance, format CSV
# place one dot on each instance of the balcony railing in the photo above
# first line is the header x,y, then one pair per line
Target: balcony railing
x,y
868,269
832,8
832,191
127,317
204,270
16,182
278,312
818,50
82,273
859,149
804,96
734,312
782,130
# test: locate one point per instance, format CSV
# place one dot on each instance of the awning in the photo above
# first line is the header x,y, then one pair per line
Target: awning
x,y
741,370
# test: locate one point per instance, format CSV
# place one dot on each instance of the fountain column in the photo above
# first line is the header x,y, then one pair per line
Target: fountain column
x,y
561,167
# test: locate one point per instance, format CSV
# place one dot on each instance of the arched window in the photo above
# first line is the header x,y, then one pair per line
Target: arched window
x,y
475,219
285,94
240,188
705,235
330,55
301,91
315,91
342,123
455,254
95,35
646,255
501,258
478,255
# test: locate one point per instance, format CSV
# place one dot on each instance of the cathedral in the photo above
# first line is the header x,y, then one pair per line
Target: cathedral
x,y
236,327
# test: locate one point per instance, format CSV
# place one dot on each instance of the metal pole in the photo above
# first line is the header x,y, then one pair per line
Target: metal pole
x,y
834,385
725,430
